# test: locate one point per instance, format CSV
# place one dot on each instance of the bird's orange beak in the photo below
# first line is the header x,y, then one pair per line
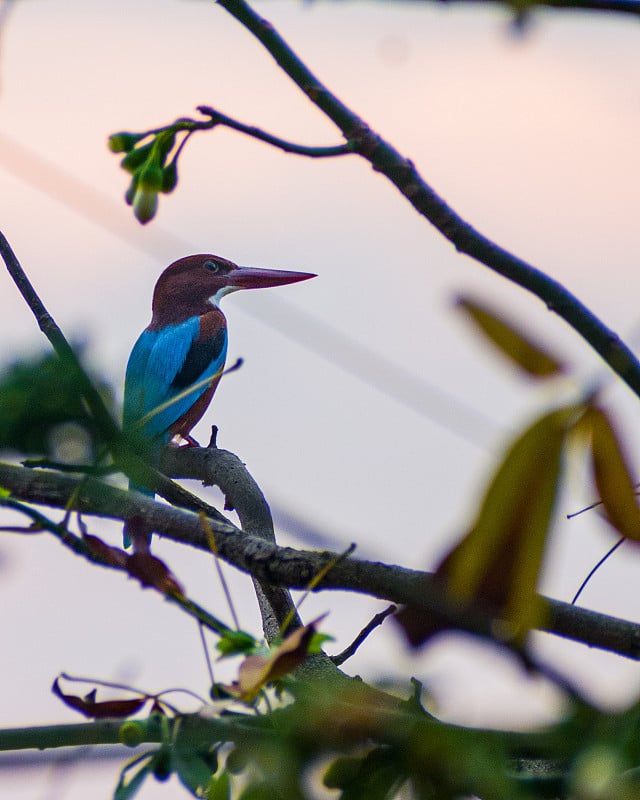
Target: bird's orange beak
x,y
251,278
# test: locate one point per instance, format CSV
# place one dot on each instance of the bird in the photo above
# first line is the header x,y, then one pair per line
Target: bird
x,y
176,363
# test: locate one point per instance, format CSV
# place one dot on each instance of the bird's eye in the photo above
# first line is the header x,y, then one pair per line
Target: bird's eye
x,y
213,266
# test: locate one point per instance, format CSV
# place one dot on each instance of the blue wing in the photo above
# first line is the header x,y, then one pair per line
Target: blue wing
x,y
162,365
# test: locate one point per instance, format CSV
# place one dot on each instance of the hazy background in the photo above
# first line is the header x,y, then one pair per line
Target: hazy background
x,y
534,139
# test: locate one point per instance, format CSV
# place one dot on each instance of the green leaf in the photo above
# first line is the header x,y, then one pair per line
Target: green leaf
x,y
234,642
259,790
375,776
612,475
126,789
530,356
192,769
123,141
219,788
136,158
169,177
162,764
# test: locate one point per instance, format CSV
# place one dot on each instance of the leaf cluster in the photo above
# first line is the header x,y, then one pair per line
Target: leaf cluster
x,y
41,407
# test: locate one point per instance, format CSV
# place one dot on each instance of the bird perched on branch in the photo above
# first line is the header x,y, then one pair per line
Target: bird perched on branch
x,y
176,364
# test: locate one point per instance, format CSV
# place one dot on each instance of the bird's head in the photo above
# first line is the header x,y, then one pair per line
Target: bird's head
x,y
193,284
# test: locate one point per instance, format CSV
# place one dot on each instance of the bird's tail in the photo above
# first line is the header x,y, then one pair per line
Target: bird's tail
x,y
137,530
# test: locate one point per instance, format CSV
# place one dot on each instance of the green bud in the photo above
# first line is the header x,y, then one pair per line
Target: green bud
x,y
150,177
169,178
164,144
145,205
162,767
122,142
136,158
130,194
131,734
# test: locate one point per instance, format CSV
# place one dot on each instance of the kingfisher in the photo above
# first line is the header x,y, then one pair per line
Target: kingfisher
x,y
176,363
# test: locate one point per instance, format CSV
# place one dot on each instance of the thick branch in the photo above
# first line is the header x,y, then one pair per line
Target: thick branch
x,y
221,468
284,566
401,171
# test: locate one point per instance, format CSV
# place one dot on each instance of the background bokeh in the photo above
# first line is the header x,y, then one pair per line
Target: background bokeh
x,y
532,136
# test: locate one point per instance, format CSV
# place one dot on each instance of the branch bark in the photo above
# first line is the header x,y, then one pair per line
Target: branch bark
x,y
288,567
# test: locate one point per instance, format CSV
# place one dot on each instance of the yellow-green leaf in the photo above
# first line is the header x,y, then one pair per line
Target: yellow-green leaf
x,y
612,475
497,565
530,356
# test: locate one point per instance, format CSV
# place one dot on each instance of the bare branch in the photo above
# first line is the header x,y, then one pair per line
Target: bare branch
x,y
218,118
284,566
221,468
374,623
401,171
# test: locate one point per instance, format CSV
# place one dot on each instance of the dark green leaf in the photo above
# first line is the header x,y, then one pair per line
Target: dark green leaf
x,y
42,411
192,769
220,787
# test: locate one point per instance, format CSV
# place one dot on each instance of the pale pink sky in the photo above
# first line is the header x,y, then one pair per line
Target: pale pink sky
x,y
533,139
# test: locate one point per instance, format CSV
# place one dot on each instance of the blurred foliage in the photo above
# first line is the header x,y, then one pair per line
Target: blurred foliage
x,y
42,411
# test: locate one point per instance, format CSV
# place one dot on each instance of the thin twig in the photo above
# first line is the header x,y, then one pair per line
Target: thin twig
x,y
595,568
218,118
349,651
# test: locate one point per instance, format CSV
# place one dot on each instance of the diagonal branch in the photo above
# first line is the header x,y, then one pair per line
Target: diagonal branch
x,y
401,171
284,566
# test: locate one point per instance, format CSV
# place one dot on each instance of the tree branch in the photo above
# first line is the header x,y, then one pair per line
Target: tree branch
x,y
215,467
218,118
284,566
608,6
401,171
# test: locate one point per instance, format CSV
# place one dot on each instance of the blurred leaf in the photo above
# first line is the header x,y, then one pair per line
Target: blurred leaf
x,y
37,398
153,573
88,705
192,769
499,561
612,475
256,671
105,552
495,568
530,356
162,764
233,642
126,789
219,787
376,776
259,790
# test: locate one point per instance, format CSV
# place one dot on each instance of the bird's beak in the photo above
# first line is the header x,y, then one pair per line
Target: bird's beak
x,y
250,278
